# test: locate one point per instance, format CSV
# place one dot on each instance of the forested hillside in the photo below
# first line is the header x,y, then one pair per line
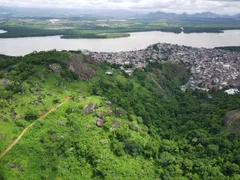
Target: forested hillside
x,y
112,126
230,48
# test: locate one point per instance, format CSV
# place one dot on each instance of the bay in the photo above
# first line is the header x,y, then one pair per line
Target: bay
x,y
138,40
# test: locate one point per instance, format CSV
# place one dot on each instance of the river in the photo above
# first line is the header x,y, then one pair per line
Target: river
x,y
139,40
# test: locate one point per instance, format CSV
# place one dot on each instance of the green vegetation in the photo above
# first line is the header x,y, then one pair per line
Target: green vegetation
x,y
70,28
230,48
151,129
65,33
97,36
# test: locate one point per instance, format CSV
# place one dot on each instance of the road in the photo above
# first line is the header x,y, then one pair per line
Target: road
x,y
26,129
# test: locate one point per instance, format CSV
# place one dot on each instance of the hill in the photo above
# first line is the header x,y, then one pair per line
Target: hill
x,y
113,125
230,48
202,15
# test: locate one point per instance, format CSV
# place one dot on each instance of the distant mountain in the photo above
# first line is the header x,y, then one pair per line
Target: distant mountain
x,y
21,12
5,12
237,16
162,15
203,15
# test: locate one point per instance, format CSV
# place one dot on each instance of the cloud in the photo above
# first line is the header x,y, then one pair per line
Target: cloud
x,y
191,6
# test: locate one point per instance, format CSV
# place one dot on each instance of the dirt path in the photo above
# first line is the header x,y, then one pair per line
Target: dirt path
x,y
25,130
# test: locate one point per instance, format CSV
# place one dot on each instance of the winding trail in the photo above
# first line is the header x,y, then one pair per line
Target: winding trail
x,y
25,130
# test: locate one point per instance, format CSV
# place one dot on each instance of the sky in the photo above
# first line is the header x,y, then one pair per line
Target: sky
x,y
177,6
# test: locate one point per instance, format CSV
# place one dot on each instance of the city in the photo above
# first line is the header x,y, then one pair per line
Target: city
x,y
211,69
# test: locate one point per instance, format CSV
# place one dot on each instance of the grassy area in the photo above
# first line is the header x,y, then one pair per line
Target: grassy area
x,y
40,92
98,146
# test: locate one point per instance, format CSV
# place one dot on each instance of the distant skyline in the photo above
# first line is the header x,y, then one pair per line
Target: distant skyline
x,y
177,6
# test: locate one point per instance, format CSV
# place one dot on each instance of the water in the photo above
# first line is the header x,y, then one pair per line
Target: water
x,y
2,31
140,40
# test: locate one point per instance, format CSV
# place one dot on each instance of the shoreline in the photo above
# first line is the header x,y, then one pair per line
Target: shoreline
x,y
107,35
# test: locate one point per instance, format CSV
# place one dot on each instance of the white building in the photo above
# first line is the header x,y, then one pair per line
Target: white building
x,y
232,91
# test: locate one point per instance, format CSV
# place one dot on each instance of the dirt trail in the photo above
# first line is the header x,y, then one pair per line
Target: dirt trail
x,y
25,130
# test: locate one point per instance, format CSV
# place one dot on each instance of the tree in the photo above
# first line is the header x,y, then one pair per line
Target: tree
x,y
30,116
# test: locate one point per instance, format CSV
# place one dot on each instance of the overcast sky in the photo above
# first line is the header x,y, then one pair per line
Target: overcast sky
x,y
178,6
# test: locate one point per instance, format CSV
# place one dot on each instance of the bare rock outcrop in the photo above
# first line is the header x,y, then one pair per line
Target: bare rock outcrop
x,y
82,66
55,68
89,108
99,122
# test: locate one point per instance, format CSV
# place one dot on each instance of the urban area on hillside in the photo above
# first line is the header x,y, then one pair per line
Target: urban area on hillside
x,y
210,68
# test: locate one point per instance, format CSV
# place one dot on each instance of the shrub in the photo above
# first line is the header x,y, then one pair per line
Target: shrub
x,y
30,116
